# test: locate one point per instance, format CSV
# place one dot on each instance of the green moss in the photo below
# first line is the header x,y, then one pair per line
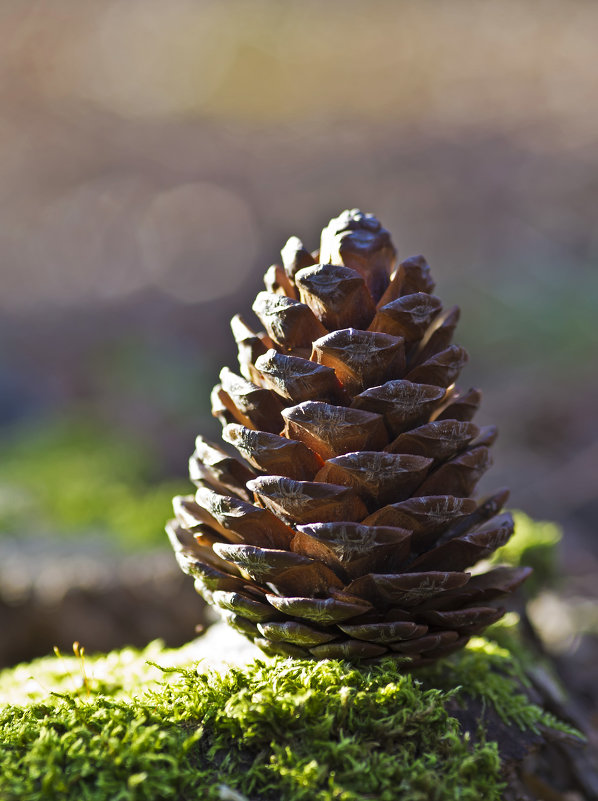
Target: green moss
x,y
117,727
118,674
495,675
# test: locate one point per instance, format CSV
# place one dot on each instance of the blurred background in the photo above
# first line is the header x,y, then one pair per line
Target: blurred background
x,y
154,158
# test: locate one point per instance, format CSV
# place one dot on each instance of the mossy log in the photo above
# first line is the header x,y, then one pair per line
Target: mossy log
x,y
200,726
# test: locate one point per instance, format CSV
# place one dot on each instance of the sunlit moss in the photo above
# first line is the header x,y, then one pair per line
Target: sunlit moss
x,y
117,726
118,674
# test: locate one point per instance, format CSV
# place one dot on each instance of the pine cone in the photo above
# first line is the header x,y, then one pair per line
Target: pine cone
x,y
347,528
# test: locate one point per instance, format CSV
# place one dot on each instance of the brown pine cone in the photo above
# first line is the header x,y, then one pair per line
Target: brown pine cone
x,y
347,527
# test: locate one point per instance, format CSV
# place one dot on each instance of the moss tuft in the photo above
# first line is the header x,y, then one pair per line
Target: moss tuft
x,y
489,672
